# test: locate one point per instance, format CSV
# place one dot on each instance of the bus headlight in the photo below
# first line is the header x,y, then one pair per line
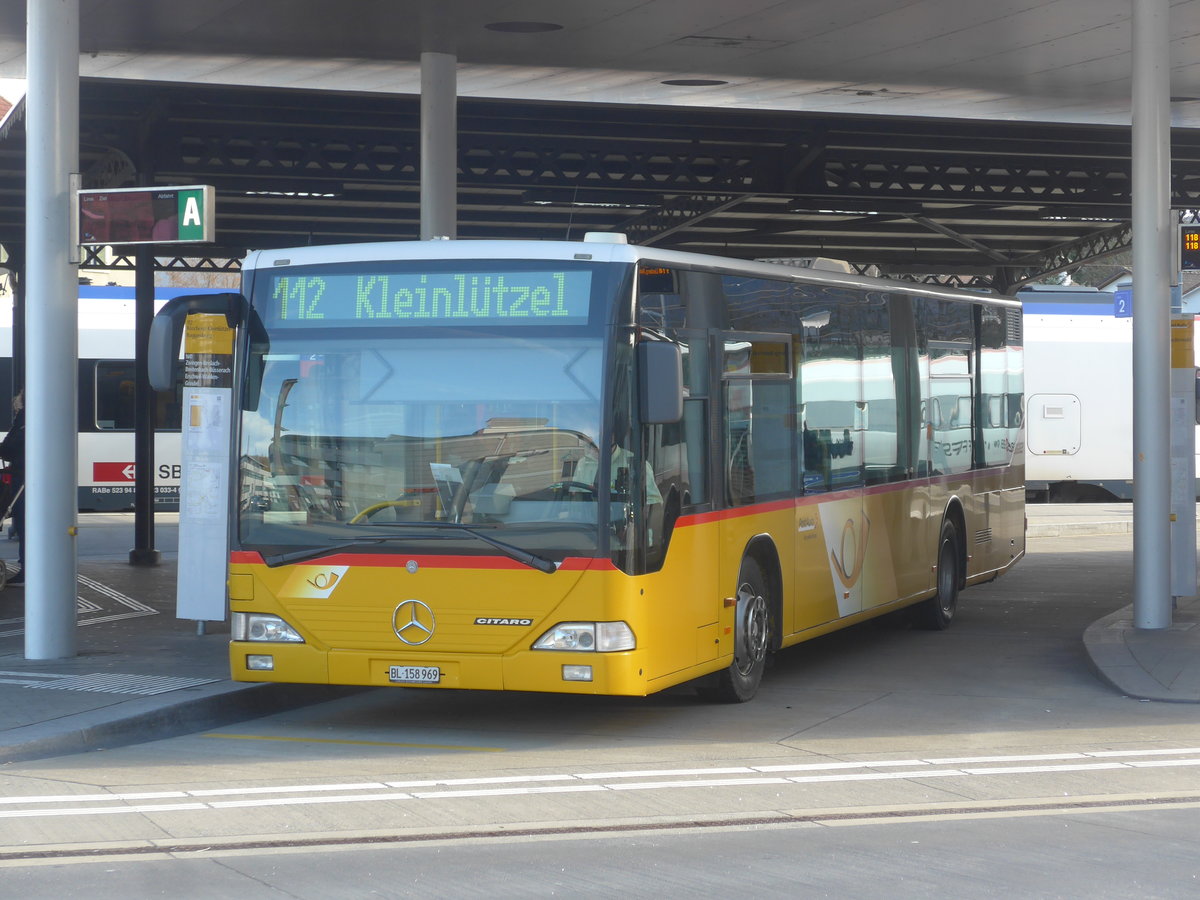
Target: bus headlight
x,y
601,637
262,627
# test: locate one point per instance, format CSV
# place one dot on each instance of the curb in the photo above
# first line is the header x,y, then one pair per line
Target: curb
x,y
1112,662
1115,662
156,718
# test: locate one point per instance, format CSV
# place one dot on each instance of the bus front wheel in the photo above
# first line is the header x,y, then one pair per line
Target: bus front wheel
x,y
752,640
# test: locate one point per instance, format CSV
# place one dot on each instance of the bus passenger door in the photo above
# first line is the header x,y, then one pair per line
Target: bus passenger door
x,y
896,501
832,532
758,437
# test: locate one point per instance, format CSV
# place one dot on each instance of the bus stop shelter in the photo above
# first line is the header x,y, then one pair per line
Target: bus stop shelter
x,y
981,146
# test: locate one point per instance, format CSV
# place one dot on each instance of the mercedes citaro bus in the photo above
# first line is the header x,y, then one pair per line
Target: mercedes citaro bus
x,y
596,468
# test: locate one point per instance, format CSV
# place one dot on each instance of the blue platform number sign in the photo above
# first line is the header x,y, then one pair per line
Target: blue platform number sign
x,y
1123,304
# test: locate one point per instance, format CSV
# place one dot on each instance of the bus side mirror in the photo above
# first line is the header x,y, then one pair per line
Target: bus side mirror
x,y
166,334
660,374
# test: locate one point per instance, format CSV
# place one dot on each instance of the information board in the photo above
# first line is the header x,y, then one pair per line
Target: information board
x,y
158,215
1189,248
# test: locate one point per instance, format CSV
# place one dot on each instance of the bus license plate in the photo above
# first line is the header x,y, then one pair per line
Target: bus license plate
x,y
414,674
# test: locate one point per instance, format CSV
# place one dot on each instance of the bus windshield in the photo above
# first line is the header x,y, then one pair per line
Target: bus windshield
x,y
490,425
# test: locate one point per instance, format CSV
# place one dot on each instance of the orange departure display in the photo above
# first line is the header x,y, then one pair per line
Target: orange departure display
x,y
1189,257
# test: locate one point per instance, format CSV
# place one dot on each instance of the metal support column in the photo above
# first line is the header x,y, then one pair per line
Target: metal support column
x,y
51,328
1151,315
439,146
143,552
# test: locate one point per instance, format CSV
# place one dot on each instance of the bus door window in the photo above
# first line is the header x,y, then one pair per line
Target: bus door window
x,y
997,386
880,412
756,373
829,397
676,305
911,446
625,517
949,332
673,452
695,437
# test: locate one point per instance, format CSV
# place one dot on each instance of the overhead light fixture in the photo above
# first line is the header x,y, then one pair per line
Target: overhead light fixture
x,y
523,27
694,82
599,199
727,42
301,194
1081,219
803,209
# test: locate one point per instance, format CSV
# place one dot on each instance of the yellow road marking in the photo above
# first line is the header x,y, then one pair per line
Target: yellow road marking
x,y
305,740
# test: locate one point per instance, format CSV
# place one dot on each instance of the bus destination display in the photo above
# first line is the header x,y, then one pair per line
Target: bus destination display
x,y
513,298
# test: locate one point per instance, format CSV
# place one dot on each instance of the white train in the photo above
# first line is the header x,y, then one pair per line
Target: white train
x,y
1078,395
106,408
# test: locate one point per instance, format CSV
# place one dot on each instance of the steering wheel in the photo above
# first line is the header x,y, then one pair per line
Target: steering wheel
x,y
573,490
376,507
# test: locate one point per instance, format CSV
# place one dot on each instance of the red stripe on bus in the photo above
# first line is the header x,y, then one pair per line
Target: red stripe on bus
x,y
381,560
755,509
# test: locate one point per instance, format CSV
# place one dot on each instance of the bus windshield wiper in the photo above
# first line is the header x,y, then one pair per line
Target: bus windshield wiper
x,y
513,552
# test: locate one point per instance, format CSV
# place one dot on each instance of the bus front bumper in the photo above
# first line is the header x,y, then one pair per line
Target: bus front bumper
x,y
528,670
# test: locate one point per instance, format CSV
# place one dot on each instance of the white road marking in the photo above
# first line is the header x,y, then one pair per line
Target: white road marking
x,y
712,782
1036,757
589,782
449,782
289,789
85,605
1029,770
97,798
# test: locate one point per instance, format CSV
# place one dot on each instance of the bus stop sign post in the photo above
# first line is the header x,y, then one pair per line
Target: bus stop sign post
x,y
1183,458
204,486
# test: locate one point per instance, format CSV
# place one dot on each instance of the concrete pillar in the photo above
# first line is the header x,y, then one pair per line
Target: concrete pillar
x,y
51,329
1152,237
439,145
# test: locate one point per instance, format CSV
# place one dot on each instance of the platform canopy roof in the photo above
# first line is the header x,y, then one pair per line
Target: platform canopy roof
x,y
938,136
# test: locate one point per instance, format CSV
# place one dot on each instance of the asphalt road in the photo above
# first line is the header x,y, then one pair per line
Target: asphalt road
x,y
1145,854
984,761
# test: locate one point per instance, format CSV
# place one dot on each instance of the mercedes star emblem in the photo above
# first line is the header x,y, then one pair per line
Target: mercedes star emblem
x,y
413,622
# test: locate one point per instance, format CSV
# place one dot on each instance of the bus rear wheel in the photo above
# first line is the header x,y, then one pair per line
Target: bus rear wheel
x,y
937,612
752,641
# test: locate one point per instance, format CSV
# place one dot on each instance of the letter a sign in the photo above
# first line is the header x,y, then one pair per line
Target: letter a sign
x,y
191,215
158,215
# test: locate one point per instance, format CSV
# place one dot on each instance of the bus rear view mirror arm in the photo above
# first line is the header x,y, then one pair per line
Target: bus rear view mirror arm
x,y
166,334
166,331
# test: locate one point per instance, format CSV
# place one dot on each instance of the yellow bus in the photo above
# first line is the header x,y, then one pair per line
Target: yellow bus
x,y
595,468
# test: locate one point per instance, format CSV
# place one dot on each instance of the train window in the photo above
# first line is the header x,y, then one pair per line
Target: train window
x,y
115,399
